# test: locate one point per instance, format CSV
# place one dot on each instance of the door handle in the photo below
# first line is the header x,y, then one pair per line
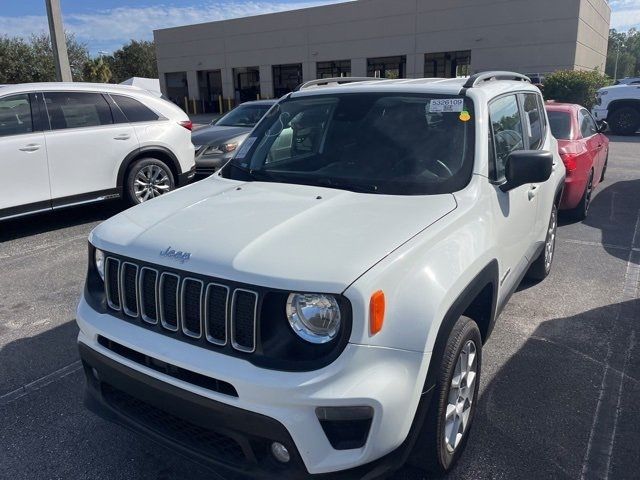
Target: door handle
x,y
123,136
533,191
32,147
553,166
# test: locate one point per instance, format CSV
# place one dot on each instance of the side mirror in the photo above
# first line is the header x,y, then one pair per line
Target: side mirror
x,y
527,166
602,126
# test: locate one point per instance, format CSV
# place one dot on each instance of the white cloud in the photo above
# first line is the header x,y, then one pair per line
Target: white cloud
x,y
625,14
108,29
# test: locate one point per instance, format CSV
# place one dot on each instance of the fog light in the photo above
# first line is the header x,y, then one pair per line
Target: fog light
x,y
95,374
280,452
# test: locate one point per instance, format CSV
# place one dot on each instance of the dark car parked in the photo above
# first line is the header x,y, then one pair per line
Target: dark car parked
x,y
216,143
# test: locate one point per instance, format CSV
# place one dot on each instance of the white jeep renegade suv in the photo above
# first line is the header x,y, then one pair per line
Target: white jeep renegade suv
x,y
319,306
64,144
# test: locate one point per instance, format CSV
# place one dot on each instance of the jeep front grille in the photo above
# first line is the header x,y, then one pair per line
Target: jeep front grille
x,y
172,303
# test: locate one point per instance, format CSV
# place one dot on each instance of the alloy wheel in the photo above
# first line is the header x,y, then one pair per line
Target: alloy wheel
x,y
150,182
587,199
550,243
461,394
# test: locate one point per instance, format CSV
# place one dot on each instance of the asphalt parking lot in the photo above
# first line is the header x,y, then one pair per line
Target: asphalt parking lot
x,y
561,374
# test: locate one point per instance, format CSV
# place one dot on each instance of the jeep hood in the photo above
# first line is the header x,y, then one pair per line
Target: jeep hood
x,y
292,237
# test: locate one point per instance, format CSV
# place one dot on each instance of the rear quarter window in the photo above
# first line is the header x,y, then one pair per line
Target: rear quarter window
x,y
134,110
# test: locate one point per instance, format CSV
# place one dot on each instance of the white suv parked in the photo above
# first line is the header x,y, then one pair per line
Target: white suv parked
x,y
320,305
64,144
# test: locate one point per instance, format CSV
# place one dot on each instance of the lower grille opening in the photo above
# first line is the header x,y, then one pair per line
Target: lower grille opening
x,y
194,437
174,371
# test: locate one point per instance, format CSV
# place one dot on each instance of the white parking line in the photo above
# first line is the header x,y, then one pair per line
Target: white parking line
x,y
40,383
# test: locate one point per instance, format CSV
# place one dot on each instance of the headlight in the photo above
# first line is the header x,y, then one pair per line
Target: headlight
x,y
314,317
99,260
221,149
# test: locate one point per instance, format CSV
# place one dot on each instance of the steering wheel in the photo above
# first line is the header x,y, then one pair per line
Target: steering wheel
x,y
444,167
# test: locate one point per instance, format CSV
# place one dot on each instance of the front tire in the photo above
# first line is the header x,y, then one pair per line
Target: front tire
x,y
624,121
541,267
446,429
147,179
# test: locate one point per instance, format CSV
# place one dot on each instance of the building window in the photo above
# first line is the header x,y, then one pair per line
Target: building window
x,y
387,67
246,83
210,88
177,89
286,78
447,64
334,69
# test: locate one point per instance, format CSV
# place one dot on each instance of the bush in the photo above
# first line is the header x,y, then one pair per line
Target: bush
x,y
573,86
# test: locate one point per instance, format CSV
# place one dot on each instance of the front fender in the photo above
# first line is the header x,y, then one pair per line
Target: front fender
x,y
423,280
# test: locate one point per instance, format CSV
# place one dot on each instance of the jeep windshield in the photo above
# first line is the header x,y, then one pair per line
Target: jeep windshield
x,y
384,143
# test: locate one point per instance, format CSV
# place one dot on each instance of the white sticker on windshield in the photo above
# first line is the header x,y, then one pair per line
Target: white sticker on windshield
x,y
446,105
247,144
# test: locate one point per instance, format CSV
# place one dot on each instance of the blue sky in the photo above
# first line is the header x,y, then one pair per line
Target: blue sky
x,y
107,24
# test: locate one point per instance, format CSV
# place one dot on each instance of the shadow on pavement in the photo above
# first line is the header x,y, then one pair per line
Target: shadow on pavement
x,y
535,417
614,211
55,220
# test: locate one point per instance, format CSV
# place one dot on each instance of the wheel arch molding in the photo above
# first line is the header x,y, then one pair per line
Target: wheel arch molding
x,y
155,151
623,102
478,301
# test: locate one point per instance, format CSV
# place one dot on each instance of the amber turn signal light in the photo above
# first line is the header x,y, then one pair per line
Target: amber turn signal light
x,y
376,312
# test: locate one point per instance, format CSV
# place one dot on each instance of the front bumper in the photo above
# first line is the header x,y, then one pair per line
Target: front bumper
x,y
209,165
186,177
282,402
599,113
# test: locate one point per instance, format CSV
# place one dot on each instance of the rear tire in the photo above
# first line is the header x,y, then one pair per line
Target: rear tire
x,y
446,427
541,267
604,168
148,178
582,209
624,121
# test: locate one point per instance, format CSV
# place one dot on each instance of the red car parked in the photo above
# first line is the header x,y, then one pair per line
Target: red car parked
x,y
584,151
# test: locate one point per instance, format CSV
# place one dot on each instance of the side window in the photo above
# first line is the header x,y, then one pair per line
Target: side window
x,y
134,110
587,125
77,109
506,125
533,120
15,115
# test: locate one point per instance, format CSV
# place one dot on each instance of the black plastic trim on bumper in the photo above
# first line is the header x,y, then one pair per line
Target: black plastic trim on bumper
x,y
231,421
238,424
186,177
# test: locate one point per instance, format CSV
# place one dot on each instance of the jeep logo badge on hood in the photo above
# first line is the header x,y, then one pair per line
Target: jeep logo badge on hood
x,y
179,256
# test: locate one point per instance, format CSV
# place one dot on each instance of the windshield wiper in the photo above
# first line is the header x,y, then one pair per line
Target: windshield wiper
x,y
354,187
257,175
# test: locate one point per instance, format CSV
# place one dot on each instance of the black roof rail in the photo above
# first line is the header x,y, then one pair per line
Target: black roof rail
x,y
478,78
336,80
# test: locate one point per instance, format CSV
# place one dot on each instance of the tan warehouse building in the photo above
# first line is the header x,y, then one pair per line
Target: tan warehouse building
x,y
266,56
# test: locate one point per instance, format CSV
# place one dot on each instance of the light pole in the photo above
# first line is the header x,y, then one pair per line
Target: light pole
x,y
58,41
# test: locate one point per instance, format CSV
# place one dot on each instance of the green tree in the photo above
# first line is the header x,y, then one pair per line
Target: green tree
x,y
16,60
96,70
573,86
45,70
135,59
32,60
623,49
